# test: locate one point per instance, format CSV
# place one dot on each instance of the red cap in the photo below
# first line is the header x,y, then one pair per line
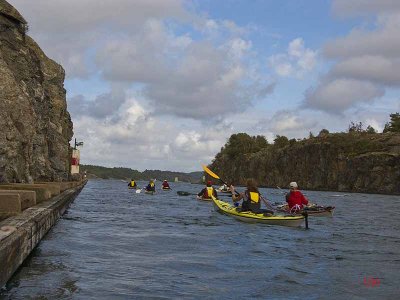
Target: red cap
x,y
209,183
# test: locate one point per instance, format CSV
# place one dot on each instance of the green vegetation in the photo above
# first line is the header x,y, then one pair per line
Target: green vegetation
x,y
358,128
107,173
358,160
281,141
243,143
394,124
356,141
127,173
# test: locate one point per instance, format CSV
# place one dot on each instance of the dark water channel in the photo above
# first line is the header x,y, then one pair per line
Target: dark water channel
x,y
115,244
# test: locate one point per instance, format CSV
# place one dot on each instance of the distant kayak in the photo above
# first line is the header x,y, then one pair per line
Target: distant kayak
x,y
133,188
166,189
149,192
250,217
224,191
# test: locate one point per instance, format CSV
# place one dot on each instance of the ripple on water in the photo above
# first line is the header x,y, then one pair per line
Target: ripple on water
x,y
116,244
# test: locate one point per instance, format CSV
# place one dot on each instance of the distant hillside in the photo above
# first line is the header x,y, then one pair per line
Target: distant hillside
x,y
127,173
348,162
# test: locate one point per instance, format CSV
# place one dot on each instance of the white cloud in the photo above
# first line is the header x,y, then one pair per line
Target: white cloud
x,y
337,95
379,69
202,72
103,106
239,47
365,60
67,29
137,140
63,16
296,62
381,41
217,28
165,65
361,7
291,123
191,79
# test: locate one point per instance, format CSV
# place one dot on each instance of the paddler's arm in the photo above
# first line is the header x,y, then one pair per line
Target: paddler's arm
x,y
201,193
235,197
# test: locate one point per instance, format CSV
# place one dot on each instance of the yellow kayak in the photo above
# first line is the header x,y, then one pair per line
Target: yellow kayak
x,y
250,217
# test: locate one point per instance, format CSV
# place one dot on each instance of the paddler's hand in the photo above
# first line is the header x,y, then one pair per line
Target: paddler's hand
x,y
232,189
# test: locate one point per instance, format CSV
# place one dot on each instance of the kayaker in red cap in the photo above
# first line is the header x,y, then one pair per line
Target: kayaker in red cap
x,y
165,185
208,191
295,198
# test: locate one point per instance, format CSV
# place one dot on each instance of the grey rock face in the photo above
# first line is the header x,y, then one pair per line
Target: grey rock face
x,y
35,126
365,163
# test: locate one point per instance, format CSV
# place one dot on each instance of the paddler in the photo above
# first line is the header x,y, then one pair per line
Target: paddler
x,y
295,198
132,183
208,191
165,185
224,188
251,197
151,187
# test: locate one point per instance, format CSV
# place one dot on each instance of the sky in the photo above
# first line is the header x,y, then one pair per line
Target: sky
x,y
162,84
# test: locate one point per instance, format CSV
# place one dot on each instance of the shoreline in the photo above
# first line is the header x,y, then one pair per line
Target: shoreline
x,y
20,234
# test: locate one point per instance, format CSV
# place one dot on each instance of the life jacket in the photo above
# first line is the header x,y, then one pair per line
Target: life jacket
x,y
254,197
252,202
151,187
208,192
133,183
296,200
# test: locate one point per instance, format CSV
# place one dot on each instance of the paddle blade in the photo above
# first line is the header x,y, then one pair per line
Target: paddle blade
x,y
138,191
209,172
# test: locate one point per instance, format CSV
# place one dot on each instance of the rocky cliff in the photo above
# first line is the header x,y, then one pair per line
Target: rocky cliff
x,y
35,126
347,162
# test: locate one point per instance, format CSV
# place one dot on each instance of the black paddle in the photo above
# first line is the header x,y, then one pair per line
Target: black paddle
x,y
183,193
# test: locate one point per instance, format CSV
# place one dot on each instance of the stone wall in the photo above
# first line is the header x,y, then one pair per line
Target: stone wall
x,y
35,126
19,235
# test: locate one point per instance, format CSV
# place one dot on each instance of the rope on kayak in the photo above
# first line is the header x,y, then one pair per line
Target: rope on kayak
x,y
295,209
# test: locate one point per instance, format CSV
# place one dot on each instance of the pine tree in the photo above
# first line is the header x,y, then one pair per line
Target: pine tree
x,y
394,124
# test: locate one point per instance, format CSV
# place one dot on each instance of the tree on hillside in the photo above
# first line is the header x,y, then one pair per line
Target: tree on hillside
x,y
261,141
281,141
370,129
242,143
292,142
355,127
323,132
394,124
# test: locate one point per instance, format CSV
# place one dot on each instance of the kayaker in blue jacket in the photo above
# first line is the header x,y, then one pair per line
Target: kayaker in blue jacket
x,y
151,187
